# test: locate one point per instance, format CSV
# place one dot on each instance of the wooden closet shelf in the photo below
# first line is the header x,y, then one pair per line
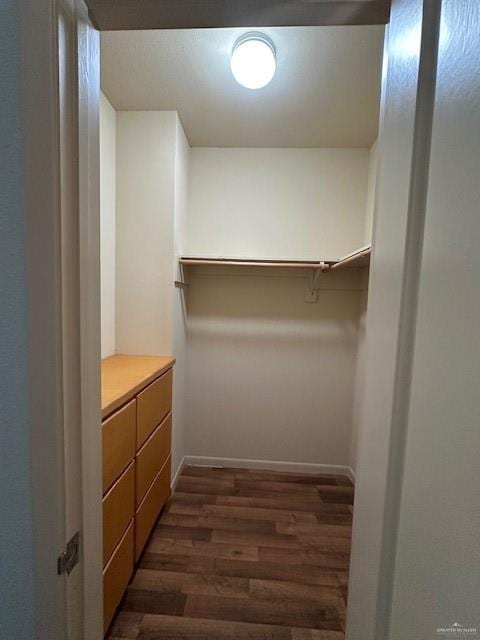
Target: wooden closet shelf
x,y
253,262
358,258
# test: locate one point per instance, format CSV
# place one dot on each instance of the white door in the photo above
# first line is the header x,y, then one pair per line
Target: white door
x,y
78,73
88,61
416,548
396,145
436,585
52,439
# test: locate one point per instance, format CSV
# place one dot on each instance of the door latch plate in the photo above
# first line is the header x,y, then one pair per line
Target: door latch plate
x,y
70,557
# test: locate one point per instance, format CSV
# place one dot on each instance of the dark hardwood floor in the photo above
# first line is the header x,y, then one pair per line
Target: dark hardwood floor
x,y
244,555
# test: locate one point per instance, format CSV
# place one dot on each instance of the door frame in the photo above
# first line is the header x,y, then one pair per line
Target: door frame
x,y
88,59
59,78
47,322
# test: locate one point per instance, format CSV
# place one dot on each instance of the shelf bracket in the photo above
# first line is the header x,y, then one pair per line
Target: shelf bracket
x,y
181,283
311,291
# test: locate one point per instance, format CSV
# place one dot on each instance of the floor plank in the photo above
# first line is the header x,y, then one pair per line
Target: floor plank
x,y
299,556
275,500
237,524
282,476
243,554
190,583
249,513
145,601
209,472
285,612
200,498
184,628
324,530
278,487
274,571
257,539
126,625
314,634
176,562
183,533
279,589
218,522
204,549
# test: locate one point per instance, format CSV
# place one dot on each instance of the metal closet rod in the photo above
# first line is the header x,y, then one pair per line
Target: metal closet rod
x,y
252,262
358,258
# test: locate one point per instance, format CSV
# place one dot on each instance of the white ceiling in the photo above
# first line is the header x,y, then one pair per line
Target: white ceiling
x,y
325,92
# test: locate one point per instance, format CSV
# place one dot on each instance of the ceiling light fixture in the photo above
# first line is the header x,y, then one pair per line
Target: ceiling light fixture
x,y
253,61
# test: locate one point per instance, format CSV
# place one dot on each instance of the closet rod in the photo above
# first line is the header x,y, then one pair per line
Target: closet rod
x,y
298,264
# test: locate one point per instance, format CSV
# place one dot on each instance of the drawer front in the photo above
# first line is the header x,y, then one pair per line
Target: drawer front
x,y
118,511
153,404
151,506
118,435
116,576
152,456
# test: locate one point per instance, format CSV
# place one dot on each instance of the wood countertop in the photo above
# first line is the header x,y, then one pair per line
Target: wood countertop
x,y
125,376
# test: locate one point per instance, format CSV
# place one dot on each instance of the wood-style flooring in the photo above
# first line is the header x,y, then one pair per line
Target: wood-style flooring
x,y
244,555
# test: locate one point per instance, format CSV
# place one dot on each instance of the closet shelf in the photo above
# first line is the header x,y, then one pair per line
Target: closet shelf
x,y
253,262
358,258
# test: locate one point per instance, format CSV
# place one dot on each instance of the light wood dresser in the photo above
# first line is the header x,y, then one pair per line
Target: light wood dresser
x,y
136,432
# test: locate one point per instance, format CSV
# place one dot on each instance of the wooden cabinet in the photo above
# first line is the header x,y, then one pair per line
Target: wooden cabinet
x,y
147,512
137,436
152,456
118,511
119,438
116,575
153,404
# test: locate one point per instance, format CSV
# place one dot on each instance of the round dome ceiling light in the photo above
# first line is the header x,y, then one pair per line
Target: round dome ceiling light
x,y
253,60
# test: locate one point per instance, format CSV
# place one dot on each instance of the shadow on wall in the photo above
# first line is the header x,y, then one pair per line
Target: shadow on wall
x,y
271,377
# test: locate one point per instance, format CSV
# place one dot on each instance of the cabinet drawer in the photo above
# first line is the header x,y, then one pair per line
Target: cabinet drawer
x,y
153,404
118,435
116,576
152,456
118,511
148,511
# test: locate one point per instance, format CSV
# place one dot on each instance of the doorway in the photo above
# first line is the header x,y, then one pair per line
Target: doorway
x,y
236,237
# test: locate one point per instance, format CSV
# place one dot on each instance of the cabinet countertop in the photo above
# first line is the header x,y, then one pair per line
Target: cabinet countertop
x,y
125,376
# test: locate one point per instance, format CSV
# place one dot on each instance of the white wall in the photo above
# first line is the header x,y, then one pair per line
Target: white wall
x,y
395,152
371,182
269,376
152,182
270,203
145,231
439,516
182,158
360,369
108,127
267,203
17,593
362,320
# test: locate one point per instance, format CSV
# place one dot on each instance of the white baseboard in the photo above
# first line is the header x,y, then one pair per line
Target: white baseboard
x,y
178,473
271,465
351,474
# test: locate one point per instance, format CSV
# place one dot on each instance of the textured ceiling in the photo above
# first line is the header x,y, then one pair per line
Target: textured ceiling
x,y
325,92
